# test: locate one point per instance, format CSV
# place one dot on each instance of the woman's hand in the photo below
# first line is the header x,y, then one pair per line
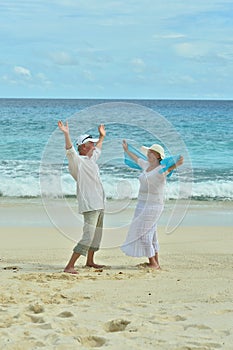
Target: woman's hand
x,y
180,161
125,145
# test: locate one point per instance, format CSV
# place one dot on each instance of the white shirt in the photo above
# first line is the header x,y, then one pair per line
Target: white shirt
x,y
85,171
152,183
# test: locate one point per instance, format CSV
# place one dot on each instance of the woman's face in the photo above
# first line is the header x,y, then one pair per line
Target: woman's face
x,y
153,155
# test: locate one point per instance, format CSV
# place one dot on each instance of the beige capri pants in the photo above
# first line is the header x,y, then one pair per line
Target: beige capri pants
x,y
92,232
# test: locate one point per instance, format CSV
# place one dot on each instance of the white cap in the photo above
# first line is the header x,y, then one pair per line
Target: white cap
x,y
82,139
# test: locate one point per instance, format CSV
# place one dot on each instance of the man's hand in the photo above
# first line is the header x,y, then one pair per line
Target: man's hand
x,y
102,131
63,128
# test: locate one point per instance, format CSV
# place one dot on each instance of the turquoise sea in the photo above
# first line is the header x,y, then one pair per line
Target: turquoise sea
x,y
33,163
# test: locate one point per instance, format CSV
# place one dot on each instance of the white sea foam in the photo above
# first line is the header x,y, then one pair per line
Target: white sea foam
x,y
116,187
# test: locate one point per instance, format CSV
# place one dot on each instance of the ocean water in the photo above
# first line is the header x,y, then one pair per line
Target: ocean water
x,y
33,162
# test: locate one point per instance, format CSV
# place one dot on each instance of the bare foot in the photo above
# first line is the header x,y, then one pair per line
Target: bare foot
x,y
156,267
96,266
71,270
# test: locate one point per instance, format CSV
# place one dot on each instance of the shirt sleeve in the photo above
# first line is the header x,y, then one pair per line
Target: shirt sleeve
x,y
96,154
73,160
144,164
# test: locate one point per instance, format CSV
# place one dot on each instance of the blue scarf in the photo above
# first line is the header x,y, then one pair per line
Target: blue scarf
x,y
167,162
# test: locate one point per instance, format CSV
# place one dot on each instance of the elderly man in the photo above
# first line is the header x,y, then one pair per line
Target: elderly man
x,y
90,193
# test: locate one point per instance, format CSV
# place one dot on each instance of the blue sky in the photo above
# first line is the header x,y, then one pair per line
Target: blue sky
x,y
153,49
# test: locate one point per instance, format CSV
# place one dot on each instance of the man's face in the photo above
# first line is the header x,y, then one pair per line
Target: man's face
x,y
88,148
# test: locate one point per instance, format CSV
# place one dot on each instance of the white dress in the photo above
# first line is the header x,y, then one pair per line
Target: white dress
x,y
142,237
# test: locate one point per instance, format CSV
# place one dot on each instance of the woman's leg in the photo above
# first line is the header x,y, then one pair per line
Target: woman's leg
x,y
153,263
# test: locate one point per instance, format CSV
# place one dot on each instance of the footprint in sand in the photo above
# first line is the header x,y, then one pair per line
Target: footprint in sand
x,y
116,325
65,314
200,345
6,321
36,319
92,341
198,326
36,308
224,311
168,318
13,268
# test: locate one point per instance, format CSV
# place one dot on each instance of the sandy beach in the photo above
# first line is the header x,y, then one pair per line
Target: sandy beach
x,y
185,305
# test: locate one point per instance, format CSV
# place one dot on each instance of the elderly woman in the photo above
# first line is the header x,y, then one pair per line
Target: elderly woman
x,y
142,238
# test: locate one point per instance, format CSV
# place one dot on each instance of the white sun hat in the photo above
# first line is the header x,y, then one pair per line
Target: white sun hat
x,y
155,147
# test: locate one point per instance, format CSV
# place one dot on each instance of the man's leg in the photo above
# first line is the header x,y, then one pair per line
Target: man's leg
x,y
70,266
96,242
90,222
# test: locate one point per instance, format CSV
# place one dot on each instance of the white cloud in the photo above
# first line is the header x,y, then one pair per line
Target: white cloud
x,y
205,52
147,41
169,36
187,79
43,79
6,79
191,50
88,75
63,58
22,71
138,65
226,54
